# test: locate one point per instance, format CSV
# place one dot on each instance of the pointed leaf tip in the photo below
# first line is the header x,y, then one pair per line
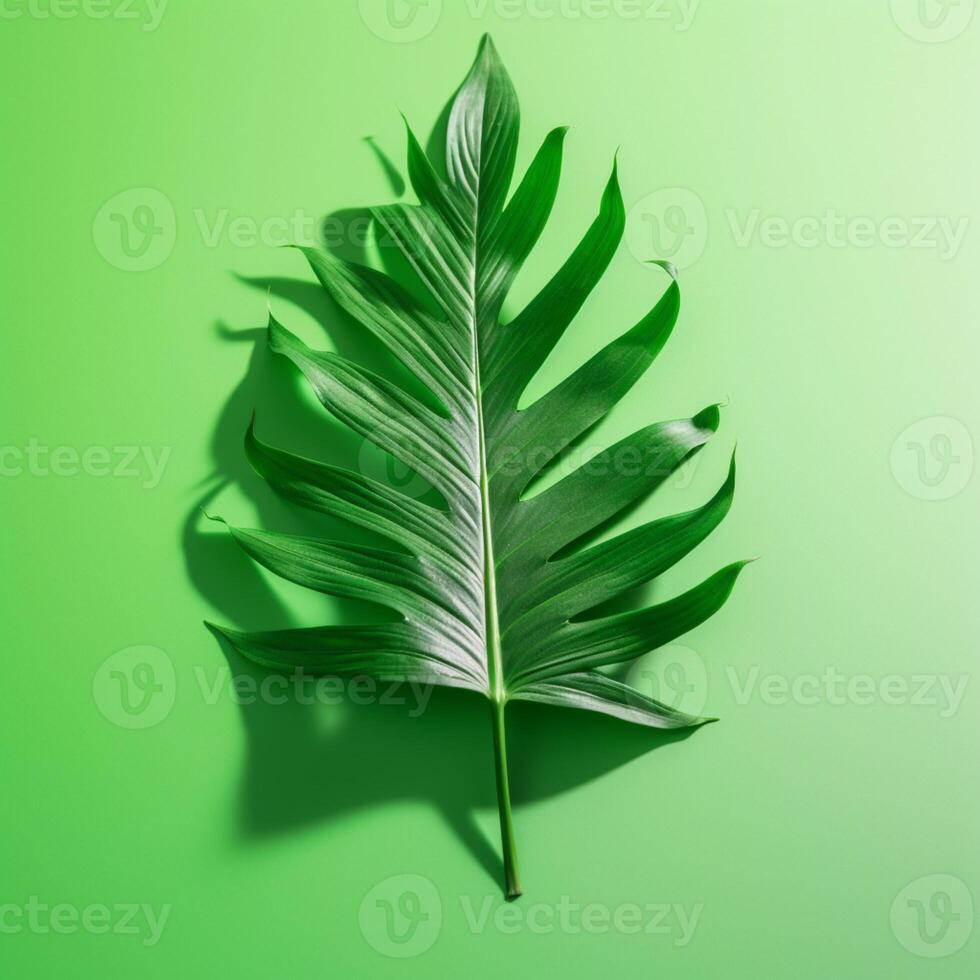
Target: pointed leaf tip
x,y
708,418
221,632
668,267
488,56
276,333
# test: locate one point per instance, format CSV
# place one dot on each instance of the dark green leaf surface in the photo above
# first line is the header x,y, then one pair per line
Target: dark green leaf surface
x,y
491,588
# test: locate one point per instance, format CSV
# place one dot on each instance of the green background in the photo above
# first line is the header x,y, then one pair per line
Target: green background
x,y
794,825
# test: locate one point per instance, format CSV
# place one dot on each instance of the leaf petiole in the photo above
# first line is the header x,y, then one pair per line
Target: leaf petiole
x,y
508,843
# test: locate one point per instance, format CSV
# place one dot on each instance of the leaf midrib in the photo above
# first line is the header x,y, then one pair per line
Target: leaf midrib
x,y
491,623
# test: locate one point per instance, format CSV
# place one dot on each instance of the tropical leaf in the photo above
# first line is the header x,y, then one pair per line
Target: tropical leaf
x,y
492,587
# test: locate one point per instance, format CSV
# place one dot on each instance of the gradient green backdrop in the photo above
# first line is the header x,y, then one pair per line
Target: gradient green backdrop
x,y
796,822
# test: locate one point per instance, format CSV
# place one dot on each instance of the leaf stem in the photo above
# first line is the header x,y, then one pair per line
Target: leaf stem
x,y
512,876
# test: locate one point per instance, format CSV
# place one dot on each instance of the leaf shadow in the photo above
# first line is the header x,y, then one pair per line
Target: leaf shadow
x,y
310,760
306,763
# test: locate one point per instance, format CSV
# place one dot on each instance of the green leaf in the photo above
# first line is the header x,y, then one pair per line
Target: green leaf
x,y
489,588
596,692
